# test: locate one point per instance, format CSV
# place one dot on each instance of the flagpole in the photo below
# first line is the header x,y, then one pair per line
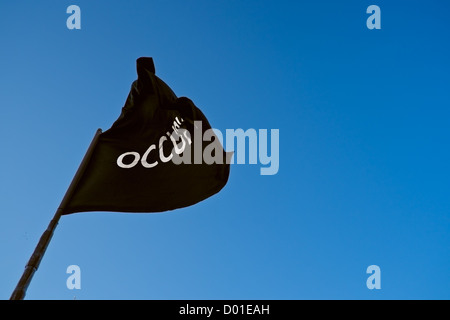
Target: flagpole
x,y
39,251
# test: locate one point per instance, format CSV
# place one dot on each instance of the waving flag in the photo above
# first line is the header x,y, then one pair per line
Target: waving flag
x,y
151,159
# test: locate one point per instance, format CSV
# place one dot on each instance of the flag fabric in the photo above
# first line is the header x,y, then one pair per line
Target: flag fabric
x,y
159,155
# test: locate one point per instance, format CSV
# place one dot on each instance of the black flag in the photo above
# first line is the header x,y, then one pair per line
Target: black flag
x,y
159,155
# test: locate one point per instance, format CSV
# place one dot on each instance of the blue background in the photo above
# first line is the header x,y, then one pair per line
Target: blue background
x,y
364,148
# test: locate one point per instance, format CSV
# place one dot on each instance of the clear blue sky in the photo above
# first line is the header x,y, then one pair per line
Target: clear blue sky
x,y
364,148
